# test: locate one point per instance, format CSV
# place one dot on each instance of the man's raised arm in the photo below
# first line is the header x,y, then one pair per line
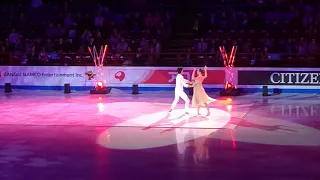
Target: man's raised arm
x,y
186,83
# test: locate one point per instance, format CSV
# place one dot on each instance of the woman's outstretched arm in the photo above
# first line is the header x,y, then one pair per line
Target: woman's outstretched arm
x,y
205,71
193,74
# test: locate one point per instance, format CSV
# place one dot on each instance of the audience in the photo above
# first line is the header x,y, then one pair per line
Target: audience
x,y
288,32
56,28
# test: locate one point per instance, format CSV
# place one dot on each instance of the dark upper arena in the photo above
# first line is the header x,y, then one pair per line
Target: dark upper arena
x,y
268,33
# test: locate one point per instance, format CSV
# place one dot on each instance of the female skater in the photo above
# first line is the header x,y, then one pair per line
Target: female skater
x,y
200,97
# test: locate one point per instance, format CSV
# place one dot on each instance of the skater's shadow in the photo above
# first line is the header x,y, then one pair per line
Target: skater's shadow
x,y
163,121
188,120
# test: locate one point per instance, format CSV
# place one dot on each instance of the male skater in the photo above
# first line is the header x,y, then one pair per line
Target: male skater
x,y
179,93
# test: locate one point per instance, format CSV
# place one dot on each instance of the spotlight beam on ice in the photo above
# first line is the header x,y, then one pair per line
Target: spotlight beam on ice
x,y
157,129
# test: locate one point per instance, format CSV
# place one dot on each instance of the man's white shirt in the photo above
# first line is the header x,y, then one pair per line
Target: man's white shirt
x,y
180,83
179,93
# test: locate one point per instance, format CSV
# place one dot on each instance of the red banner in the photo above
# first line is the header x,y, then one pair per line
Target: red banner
x,y
168,77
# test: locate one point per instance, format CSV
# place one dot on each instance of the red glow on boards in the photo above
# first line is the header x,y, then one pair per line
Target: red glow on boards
x,y
100,84
229,86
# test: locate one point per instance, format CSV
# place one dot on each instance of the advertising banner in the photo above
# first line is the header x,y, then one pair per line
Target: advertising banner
x,y
294,77
114,76
164,76
43,75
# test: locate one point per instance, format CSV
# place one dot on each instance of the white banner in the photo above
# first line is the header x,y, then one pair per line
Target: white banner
x,y
88,75
45,75
77,75
85,76
128,75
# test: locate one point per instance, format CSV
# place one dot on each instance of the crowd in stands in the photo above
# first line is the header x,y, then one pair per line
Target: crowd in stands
x,y
264,32
288,32
62,33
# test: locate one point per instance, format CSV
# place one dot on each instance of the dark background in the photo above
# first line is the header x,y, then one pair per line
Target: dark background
x,y
263,78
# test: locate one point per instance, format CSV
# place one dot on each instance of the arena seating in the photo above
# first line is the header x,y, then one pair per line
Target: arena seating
x,y
268,33
65,30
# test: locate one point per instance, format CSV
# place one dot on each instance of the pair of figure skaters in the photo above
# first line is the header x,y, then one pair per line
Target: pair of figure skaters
x,y
200,97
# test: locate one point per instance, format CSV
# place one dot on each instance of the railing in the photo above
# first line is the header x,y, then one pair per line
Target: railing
x,y
163,59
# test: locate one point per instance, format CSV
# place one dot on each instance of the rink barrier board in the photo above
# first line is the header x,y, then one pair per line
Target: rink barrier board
x,y
159,78
141,89
87,88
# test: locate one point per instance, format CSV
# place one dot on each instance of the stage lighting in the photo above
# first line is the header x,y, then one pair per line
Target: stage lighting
x,y
98,59
229,87
7,88
67,89
230,90
99,85
100,89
